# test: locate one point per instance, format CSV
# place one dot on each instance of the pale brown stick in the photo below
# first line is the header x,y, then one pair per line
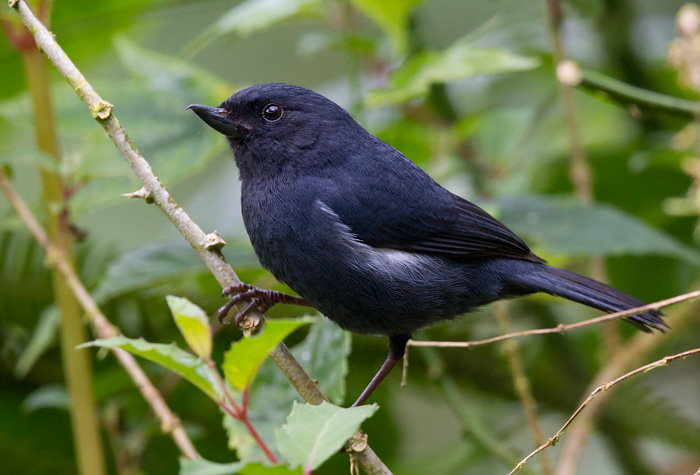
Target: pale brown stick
x,y
207,246
648,367
104,329
625,359
561,328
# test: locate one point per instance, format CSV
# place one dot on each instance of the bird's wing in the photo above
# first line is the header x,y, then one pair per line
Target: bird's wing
x,y
472,233
409,211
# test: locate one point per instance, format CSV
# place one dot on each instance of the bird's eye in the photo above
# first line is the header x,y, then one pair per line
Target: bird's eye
x,y
272,112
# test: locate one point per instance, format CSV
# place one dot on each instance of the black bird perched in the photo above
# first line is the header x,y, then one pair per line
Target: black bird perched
x,y
364,235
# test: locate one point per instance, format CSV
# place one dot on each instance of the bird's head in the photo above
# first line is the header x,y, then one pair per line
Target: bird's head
x,y
275,126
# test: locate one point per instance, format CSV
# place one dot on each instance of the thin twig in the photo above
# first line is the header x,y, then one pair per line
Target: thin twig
x,y
625,359
521,383
238,412
104,329
101,110
224,389
626,94
561,328
665,361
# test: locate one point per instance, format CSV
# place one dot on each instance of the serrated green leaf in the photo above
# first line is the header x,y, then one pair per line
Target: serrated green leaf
x,y
201,466
206,467
324,355
193,323
175,359
243,359
564,226
251,16
462,60
315,433
391,16
260,469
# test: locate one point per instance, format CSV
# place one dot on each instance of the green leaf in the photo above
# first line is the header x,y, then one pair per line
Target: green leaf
x,y
462,60
162,72
193,323
260,469
159,86
51,395
170,356
324,355
251,16
315,433
161,263
566,227
243,359
43,338
391,16
206,467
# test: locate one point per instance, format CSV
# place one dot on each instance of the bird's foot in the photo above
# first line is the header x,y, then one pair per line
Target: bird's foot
x,y
259,299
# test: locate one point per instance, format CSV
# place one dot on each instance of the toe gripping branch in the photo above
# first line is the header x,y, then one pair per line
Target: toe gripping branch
x,y
260,299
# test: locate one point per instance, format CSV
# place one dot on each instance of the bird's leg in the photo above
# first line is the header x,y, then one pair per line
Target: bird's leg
x,y
259,298
397,347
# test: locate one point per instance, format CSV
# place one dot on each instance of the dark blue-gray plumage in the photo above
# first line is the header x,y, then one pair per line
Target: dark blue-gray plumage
x,y
367,237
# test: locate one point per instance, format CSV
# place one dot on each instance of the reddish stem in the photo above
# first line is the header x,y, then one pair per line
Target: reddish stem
x,y
239,413
245,402
227,394
271,457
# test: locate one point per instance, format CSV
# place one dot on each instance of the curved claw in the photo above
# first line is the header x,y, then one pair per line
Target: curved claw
x,y
241,292
235,289
259,298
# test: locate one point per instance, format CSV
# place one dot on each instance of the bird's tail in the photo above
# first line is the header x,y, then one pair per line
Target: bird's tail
x,y
542,278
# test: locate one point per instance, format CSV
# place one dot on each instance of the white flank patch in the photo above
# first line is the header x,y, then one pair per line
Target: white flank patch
x,y
380,259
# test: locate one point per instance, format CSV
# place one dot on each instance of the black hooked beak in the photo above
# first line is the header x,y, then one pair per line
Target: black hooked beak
x,y
217,118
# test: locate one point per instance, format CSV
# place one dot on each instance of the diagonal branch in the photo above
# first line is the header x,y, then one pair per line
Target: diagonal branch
x,y
561,328
665,361
207,246
624,93
104,329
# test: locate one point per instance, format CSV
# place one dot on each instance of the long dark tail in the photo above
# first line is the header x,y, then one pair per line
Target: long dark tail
x,y
542,278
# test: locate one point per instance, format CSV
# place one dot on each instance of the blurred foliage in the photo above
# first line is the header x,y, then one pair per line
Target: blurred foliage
x,y
465,89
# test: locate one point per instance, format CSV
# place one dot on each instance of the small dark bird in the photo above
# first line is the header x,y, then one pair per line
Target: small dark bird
x,y
364,235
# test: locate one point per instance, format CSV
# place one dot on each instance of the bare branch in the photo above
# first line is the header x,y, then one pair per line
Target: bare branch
x,y
101,110
665,361
104,329
622,361
561,328
571,74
